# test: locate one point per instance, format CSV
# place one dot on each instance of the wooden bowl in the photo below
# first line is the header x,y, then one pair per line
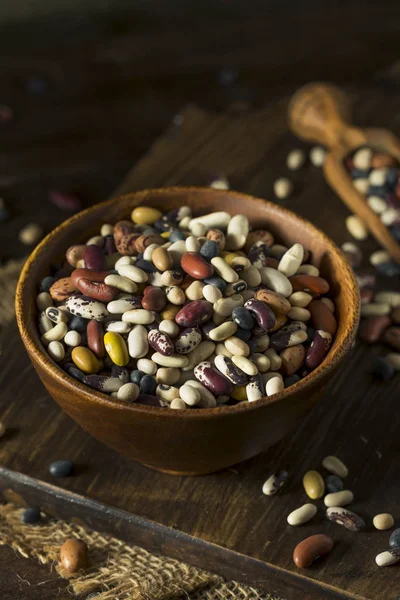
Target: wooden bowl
x,y
201,441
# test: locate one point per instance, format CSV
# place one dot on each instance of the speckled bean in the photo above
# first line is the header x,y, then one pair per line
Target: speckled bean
x,y
319,348
255,388
212,379
160,342
346,518
275,482
228,368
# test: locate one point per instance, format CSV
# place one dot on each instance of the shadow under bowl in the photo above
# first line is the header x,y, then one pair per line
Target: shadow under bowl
x,y
201,441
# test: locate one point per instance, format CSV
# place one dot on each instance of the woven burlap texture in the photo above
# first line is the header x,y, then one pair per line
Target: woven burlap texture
x,y
9,274
117,570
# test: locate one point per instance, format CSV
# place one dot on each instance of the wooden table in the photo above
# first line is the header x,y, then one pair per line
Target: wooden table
x,y
222,522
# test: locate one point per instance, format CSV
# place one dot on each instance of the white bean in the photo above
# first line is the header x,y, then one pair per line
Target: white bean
x,y
56,351
244,364
276,281
133,273
121,283
224,270
356,227
128,392
147,366
72,338
291,260
190,395
43,301
211,293
274,386
139,316
138,344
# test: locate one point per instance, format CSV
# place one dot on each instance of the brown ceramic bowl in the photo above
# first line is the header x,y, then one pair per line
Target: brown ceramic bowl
x,y
193,441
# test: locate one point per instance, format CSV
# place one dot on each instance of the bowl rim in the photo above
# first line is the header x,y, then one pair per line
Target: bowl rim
x,y
63,379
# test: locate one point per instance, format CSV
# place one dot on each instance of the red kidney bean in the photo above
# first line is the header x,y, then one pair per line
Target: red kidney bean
x,y
392,337
98,276
143,241
95,338
319,349
154,298
311,548
126,244
262,313
196,266
123,228
309,283
194,313
97,291
160,342
94,258
322,317
213,379
372,328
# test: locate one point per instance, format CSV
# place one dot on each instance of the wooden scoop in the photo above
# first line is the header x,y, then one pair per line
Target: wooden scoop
x,y
321,113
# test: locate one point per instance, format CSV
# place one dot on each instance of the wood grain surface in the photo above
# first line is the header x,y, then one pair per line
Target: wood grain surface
x,y
223,522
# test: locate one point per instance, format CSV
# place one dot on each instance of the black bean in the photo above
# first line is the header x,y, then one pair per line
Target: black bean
x,y
61,468
148,385
78,324
382,369
31,515
217,282
136,376
46,283
209,249
291,380
333,483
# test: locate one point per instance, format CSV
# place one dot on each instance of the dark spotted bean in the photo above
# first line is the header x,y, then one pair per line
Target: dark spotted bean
x,y
212,379
123,228
126,244
121,372
319,349
284,339
161,342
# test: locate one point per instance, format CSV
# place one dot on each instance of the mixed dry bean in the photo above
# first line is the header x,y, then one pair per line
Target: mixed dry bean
x,y
181,312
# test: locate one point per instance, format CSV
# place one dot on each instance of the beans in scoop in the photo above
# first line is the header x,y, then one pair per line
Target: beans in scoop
x,y
186,312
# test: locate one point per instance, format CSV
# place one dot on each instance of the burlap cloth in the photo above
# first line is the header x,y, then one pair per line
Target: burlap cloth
x,y
118,571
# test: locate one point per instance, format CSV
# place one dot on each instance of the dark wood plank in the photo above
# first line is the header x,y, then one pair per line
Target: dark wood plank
x,y
354,419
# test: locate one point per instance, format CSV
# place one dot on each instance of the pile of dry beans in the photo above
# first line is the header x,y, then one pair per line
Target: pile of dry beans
x,y
180,312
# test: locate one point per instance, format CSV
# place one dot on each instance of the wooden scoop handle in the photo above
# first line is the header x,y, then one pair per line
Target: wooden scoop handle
x,y
319,112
